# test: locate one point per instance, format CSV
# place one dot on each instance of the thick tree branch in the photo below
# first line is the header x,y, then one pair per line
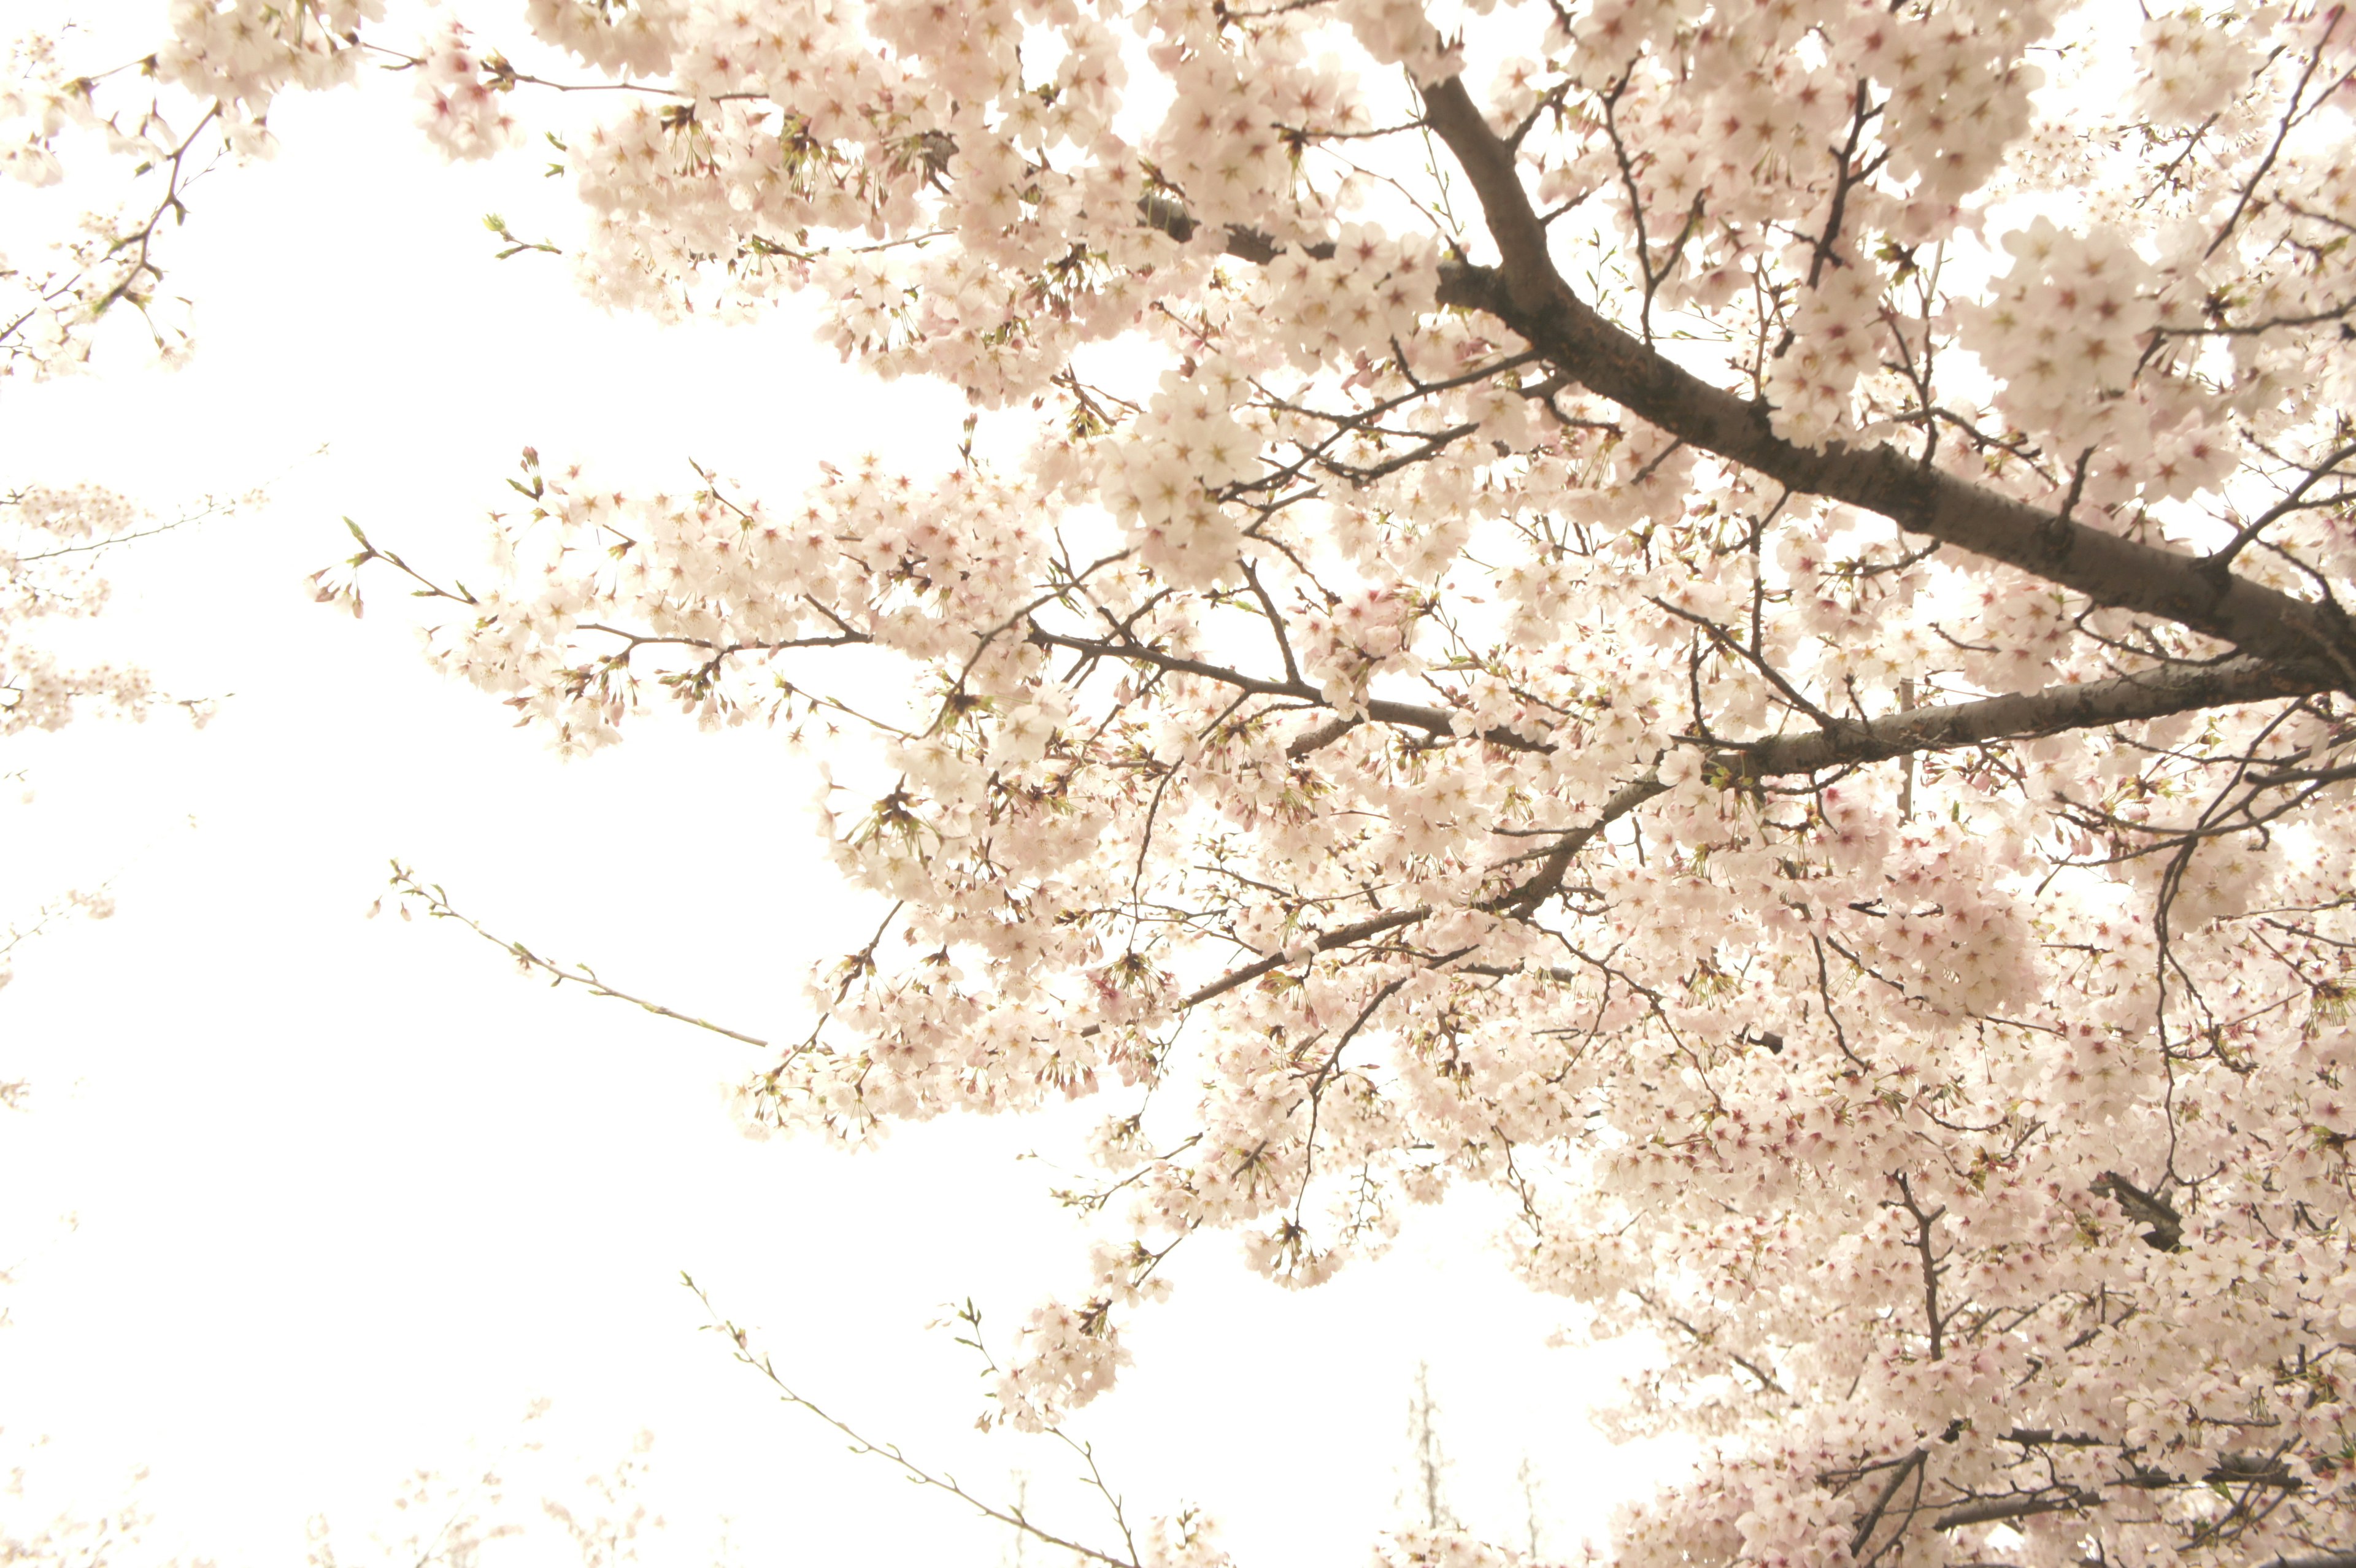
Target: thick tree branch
x,y
1998,1510
2313,641
1529,295
1889,1490
2167,1232
2051,710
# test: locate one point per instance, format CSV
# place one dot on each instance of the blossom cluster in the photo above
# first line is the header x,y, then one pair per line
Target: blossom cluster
x,y
2061,330
1370,293
640,38
1834,334
1442,1548
1343,647
36,105
1064,1357
2191,67
240,55
462,111
51,308
1185,448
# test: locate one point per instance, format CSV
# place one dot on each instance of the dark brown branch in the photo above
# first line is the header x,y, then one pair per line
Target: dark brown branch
x,y
1557,866
1437,722
2167,1232
1530,297
1996,1510
1324,942
1766,1380
1898,1479
2017,716
2312,641
1931,1260
2051,710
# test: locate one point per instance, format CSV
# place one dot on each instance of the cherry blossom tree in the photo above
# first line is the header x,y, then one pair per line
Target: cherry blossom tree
x,y
1722,617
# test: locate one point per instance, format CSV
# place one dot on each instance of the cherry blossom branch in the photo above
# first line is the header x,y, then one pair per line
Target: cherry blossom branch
x,y
1847,174
2015,716
1998,1510
2168,1226
97,903
438,907
1923,1220
209,508
141,238
1014,1519
2290,117
1907,1469
1324,942
970,1316
2313,640
1435,721
1704,1336
2051,710
1527,293
1317,1087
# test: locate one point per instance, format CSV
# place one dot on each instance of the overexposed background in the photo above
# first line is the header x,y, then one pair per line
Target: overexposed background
x,y
301,1202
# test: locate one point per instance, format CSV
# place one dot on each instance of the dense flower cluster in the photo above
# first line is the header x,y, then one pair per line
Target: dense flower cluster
x,y
1184,449
2192,69
1349,307
2063,330
1064,1357
1833,343
1721,619
239,56
462,109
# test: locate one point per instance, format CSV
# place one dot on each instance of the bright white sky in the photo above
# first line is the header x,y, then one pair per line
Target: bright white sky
x,y
350,1195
